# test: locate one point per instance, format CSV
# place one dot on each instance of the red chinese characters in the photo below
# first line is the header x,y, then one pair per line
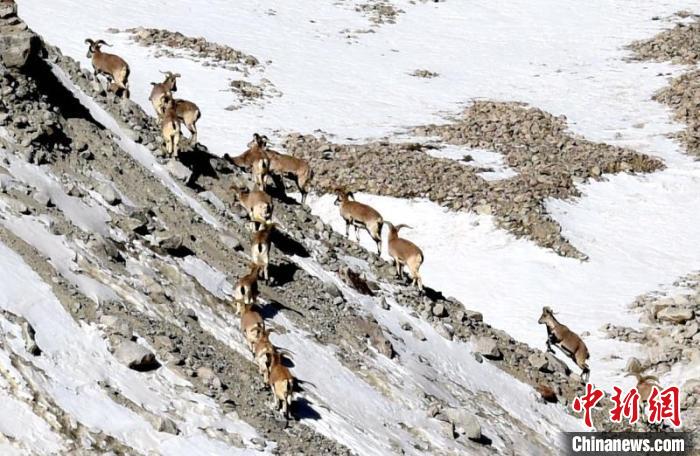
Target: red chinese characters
x,y
664,405
587,402
627,407
661,405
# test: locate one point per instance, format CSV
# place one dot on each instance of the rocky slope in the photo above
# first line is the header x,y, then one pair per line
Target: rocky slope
x,y
144,254
681,45
671,336
549,162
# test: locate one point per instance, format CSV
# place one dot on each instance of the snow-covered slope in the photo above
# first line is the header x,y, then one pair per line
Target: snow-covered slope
x,y
563,57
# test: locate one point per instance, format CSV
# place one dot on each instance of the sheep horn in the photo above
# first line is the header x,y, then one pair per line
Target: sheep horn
x,y
286,353
89,41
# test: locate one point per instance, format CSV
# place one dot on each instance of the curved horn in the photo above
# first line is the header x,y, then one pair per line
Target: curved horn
x,y
403,225
285,352
89,41
99,42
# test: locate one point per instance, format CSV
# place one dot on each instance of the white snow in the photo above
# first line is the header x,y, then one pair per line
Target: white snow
x,y
480,158
137,151
393,390
509,280
75,357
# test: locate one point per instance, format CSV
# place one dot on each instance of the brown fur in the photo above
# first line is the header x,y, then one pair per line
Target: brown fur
x,y
256,158
263,352
281,383
170,128
405,252
645,384
246,290
359,215
567,340
161,90
260,250
252,324
258,204
296,168
189,114
114,67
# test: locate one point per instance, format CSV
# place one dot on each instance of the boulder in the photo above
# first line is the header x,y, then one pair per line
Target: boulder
x,y
678,315
464,423
17,43
178,170
136,357
488,347
167,425
109,193
539,361
8,8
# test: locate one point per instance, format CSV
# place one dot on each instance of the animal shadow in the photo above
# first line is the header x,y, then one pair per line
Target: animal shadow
x,y
199,161
302,410
288,245
282,273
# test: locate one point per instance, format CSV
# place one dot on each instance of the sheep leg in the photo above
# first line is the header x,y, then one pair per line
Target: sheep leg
x,y
398,268
357,234
549,346
166,141
285,409
176,141
347,229
274,398
193,130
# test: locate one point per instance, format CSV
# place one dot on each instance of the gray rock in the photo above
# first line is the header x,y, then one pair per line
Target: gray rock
x,y
136,357
464,423
7,9
178,170
109,192
43,198
28,334
214,200
539,361
439,310
231,242
473,315
332,290
167,425
691,329
676,315
488,347
206,374
447,429
17,45
556,365
691,387
168,242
